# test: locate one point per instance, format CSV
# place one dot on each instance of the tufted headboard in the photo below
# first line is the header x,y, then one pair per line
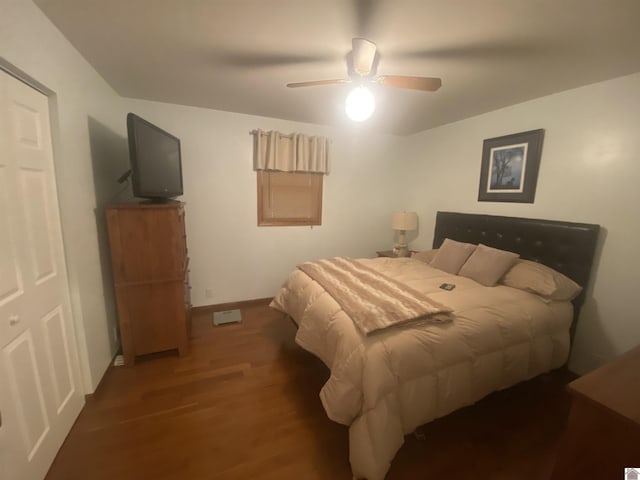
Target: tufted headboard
x,y
566,247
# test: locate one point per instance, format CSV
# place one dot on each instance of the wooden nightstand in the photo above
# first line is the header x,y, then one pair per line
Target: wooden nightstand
x,y
603,431
387,253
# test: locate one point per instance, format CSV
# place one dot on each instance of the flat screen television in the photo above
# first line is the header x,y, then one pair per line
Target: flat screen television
x,y
156,165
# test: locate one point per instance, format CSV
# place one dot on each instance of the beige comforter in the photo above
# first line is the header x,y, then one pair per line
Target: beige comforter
x,y
385,385
372,300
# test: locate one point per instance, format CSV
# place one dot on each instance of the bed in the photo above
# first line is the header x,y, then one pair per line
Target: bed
x,y
384,385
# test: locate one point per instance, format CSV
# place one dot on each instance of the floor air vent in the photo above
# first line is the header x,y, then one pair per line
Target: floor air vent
x,y
228,316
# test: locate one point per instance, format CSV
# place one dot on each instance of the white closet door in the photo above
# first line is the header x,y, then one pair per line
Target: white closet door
x,y
40,389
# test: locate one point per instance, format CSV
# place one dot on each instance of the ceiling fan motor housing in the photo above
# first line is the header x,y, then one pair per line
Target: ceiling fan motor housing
x,y
364,52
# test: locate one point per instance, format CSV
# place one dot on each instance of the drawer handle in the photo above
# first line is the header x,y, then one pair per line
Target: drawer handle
x,y
14,320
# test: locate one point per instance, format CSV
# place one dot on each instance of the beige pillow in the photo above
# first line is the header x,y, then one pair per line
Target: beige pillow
x,y
487,265
452,255
541,280
425,256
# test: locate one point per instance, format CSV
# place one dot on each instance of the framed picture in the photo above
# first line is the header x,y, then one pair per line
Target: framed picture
x,y
509,170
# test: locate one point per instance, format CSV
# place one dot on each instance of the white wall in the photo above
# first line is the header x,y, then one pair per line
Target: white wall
x,y
88,128
230,254
589,172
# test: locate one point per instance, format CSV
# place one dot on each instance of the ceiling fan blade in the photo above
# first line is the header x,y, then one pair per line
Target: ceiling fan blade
x,y
317,82
478,51
429,84
240,59
363,55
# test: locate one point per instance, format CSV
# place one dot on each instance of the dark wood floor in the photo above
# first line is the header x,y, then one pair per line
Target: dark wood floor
x,y
244,405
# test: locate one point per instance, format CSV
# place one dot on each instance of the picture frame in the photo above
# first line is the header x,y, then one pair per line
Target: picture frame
x,y
509,169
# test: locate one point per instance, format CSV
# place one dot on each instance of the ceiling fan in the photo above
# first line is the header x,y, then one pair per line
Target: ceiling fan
x,y
362,67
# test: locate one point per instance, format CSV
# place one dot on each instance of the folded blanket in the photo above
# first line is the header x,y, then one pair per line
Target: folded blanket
x,y
373,301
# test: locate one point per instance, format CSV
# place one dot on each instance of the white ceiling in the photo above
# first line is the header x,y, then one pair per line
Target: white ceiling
x,y
237,55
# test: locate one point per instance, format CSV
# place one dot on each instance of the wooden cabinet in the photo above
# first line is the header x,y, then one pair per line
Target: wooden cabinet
x,y
603,432
150,270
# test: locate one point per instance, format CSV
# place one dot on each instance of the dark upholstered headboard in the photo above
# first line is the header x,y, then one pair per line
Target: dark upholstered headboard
x,y
566,247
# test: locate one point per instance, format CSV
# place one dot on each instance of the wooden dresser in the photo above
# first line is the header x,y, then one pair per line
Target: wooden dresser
x,y
603,432
150,269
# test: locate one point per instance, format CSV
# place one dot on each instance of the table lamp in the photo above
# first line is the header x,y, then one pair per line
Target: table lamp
x,y
403,222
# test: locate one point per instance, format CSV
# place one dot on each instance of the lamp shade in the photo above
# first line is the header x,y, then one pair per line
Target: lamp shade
x,y
404,221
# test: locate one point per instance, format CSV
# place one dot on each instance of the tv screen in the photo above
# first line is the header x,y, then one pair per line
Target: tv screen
x,y
156,166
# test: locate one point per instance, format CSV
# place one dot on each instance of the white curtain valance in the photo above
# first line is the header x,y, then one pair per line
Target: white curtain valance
x,y
290,153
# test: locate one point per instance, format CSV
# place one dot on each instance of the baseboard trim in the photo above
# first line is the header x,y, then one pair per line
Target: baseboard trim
x,y
220,307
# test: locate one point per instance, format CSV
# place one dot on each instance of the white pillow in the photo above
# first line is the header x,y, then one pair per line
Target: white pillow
x,y
452,255
541,280
487,265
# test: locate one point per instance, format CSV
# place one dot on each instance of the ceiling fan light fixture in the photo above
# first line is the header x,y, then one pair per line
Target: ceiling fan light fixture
x,y
360,104
363,55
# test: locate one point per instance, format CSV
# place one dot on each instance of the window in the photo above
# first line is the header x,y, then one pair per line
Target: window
x,y
289,198
289,171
